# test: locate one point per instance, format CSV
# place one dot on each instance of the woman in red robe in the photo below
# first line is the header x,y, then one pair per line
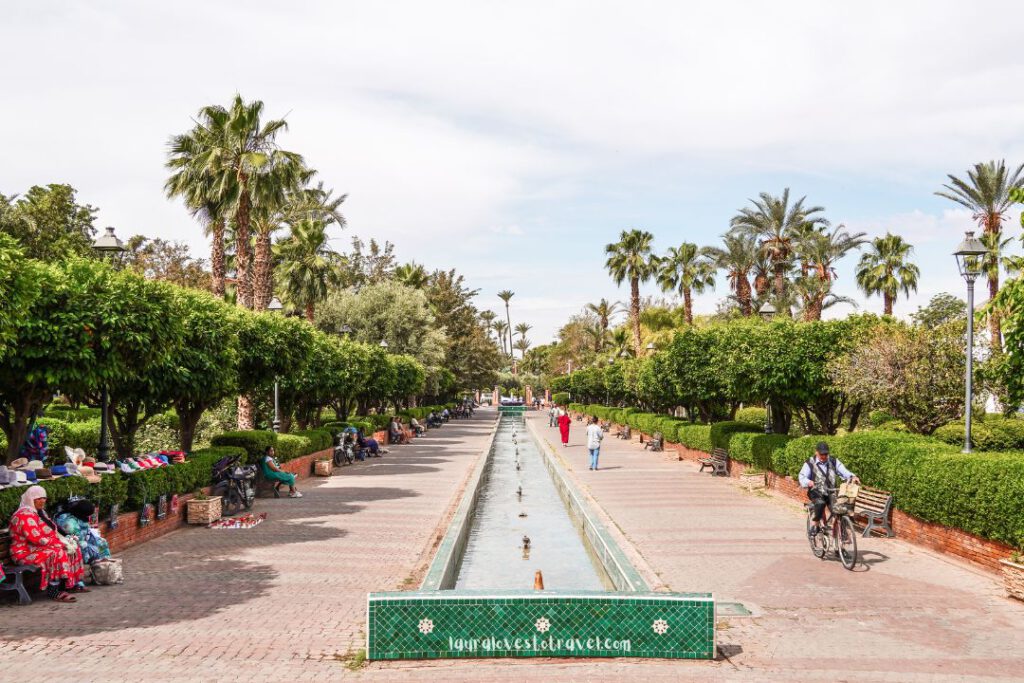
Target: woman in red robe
x,y
563,426
34,540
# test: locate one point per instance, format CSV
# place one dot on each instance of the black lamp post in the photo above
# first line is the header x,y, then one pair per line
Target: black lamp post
x,y
970,260
607,391
109,246
767,311
275,306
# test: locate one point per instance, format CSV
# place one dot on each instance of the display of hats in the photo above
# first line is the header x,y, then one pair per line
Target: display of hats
x,y
59,470
99,467
43,473
19,463
34,465
30,474
89,460
89,473
22,478
125,468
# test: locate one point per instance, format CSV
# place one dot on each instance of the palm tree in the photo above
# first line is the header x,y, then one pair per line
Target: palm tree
x,y
487,317
819,252
500,328
986,192
522,345
604,312
236,153
620,343
631,259
885,269
737,258
505,295
815,295
522,329
776,223
598,335
686,269
308,265
413,275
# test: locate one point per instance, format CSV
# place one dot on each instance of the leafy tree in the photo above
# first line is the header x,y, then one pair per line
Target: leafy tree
x,y
470,355
604,311
942,310
412,275
777,224
886,269
48,222
309,267
270,346
819,251
631,259
20,280
914,373
988,194
500,328
686,269
367,264
158,259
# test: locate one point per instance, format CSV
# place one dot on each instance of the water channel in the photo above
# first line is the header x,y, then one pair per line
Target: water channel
x,y
519,501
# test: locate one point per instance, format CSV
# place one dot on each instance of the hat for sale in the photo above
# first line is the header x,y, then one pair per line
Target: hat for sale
x,y
19,463
30,474
21,477
59,470
34,465
43,473
100,467
89,474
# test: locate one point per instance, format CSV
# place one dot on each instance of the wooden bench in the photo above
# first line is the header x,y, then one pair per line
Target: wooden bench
x,y
624,433
718,462
875,506
656,443
15,580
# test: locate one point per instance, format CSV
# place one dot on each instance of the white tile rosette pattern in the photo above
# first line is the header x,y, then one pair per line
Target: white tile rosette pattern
x,y
660,626
426,626
543,624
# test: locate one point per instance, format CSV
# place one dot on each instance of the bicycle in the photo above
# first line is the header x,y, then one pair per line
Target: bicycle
x,y
838,534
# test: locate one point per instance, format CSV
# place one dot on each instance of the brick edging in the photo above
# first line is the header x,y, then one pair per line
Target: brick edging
x,y
981,552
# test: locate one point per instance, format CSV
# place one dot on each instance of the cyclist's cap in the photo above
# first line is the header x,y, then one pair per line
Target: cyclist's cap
x,y
822,448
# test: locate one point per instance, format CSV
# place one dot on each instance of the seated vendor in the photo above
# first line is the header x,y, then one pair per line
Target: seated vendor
x,y
75,524
35,541
273,472
370,444
416,426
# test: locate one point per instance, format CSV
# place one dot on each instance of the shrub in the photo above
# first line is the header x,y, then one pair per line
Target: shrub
x,y
695,436
254,442
319,439
196,472
876,418
335,427
753,415
57,491
721,432
992,434
560,397
894,426
291,446
69,414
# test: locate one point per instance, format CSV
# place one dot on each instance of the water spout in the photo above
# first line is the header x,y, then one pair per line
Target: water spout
x,y
526,542
538,581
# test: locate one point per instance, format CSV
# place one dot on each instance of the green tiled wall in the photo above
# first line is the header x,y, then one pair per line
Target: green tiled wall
x,y
431,625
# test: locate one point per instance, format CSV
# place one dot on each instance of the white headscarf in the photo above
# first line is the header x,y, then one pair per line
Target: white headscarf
x,y
29,497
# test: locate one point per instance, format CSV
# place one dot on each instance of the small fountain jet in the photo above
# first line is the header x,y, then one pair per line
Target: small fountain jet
x,y
517,465
519,491
526,542
522,514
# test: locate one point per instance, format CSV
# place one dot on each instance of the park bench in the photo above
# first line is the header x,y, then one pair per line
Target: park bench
x,y
718,462
874,505
656,443
15,572
624,433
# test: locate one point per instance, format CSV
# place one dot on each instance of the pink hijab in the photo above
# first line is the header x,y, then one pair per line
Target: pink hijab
x,y
28,498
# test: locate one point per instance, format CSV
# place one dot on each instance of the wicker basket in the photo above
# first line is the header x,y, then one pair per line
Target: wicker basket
x,y
203,511
322,468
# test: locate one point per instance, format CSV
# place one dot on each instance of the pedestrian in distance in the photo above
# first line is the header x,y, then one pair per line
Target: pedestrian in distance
x,y
563,426
594,436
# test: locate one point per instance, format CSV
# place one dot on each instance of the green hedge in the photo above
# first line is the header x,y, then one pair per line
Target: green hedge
x,y
335,427
877,418
991,434
695,436
722,432
83,434
319,439
69,414
254,441
560,397
753,415
757,448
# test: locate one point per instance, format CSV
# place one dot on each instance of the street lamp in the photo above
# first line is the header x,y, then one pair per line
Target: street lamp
x,y
607,390
105,245
970,260
650,347
767,311
384,344
345,330
275,306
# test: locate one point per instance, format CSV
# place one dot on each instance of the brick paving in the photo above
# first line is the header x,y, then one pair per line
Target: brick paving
x,y
286,600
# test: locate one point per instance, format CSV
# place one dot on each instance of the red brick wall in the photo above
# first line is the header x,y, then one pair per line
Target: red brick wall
x,y
980,551
129,533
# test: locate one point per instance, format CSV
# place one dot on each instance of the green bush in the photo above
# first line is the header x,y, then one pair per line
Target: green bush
x,y
753,414
69,414
992,434
560,397
877,418
695,436
196,472
334,427
57,491
254,442
291,446
319,439
893,426
721,432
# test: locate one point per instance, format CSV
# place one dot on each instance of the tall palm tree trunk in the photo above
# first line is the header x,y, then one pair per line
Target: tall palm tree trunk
x,y
994,326
508,319
262,273
887,300
634,312
780,280
743,295
688,305
310,312
245,413
242,250
217,261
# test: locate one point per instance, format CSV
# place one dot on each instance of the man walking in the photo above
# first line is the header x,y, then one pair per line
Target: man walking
x,y
594,436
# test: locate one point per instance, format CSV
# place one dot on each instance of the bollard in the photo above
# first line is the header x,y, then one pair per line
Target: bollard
x,y
538,581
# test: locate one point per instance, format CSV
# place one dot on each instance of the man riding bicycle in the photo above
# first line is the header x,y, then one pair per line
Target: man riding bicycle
x,y
818,475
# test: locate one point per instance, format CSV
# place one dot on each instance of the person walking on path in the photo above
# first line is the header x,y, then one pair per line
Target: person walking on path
x,y
563,426
552,416
594,436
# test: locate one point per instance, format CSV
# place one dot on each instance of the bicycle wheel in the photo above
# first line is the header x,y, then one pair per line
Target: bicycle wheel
x,y
846,540
232,503
817,541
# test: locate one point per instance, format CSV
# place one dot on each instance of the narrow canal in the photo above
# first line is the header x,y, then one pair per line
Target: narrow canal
x,y
518,502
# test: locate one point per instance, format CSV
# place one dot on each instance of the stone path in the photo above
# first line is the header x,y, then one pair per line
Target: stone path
x,y
286,600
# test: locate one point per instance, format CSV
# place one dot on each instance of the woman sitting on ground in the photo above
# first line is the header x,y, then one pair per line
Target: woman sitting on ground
x,y
272,472
35,541
74,523
370,444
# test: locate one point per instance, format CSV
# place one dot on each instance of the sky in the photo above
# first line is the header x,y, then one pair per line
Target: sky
x,y
513,141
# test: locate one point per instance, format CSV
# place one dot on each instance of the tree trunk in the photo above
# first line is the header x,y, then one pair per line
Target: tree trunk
x,y
245,416
780,280
634,312
994,326
16,426
188,418
242,247
743,295
217,261
309,313
760,284
508,319
782,418
263,273
286,423
688,305
887,303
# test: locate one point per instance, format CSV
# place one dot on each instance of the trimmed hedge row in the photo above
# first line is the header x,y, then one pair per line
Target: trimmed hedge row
x,y
287,446
84,434
757,449
128,490
991,434
722,432
753,415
